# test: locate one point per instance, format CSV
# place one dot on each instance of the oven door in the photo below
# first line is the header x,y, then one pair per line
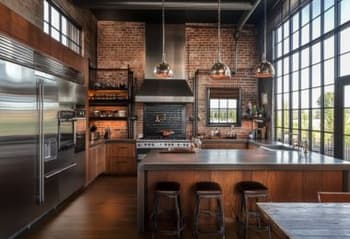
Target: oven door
x,y
66,130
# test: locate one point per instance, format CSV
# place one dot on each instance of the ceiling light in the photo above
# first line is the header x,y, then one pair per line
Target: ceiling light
x,y
163,70
219,70
265,69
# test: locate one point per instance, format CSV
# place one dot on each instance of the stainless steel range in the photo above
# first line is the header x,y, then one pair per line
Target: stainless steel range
x,y
144,146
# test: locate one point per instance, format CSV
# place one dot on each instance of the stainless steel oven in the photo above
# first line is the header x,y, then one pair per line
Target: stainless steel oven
x,y
66,130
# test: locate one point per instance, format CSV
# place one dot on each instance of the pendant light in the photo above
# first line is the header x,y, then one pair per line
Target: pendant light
x,y
265,69
219,70
163,70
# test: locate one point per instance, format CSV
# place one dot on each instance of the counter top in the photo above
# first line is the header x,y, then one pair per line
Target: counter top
x,y
109,141
228,159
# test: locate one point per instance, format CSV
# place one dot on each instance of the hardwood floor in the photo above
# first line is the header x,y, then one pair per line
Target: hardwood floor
x,y
106,209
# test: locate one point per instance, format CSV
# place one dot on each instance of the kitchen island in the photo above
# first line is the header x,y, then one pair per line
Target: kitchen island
x,y
291,176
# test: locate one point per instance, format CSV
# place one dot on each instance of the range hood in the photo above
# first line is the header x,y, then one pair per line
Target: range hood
x,y
164,91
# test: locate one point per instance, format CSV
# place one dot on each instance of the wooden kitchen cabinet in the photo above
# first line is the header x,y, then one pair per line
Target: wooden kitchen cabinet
x,y
121,158
96,162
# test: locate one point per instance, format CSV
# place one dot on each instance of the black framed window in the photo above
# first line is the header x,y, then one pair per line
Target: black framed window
x,y
311,50
223,106
61,27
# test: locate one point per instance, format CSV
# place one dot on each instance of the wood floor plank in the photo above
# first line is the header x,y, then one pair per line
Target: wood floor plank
x,y
105,210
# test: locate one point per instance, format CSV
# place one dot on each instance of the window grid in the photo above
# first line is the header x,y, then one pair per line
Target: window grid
x,y
307,116
72,37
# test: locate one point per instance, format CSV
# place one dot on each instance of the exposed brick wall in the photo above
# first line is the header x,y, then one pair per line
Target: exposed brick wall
x,y
123,43
32,11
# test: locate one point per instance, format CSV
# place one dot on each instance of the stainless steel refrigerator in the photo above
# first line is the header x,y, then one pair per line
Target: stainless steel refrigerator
x,y
38,167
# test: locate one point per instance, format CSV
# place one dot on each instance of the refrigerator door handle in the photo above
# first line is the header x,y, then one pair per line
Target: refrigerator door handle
x,y
41,169
59,171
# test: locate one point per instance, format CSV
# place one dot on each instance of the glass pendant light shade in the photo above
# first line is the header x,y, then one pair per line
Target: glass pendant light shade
x,y
219,70
265,69
163,70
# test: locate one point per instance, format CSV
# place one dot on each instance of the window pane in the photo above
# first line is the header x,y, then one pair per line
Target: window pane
x,y
46,28
345,40
295,100
279,118
232,103
286,101
305,15
305,79
305,59
279,68
344,11
328,47
329,120
64,25
316,53
286,29
316,28
295,119
46,11
55,34
286,66
305,34
316,75
214,103
295,63
286,118
329,144
316,8
64,40
305,135
279,101
279,34
295,40
286,46
214,115
328,4
305,119
55,18
344,65
328,100
329,20
316,98
316,141
347,121
295,22
222,103
329,72
279,49
304,99
279,85
279,134
295,81
286,83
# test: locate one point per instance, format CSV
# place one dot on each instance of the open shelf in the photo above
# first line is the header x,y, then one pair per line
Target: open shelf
x,y
109,118
109,102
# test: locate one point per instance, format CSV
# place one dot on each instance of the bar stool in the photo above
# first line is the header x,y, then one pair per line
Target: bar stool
x,y
166,191
209,191
251,192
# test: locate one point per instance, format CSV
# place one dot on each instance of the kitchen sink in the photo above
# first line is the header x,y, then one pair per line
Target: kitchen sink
x,y
278,147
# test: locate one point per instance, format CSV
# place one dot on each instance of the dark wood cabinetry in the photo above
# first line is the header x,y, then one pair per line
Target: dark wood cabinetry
x,y
121,158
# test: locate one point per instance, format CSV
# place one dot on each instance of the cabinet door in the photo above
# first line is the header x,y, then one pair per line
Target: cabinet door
x,y
121,158
101,159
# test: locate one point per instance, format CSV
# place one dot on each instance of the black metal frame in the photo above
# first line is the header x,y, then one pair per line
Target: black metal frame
x,y
334,32
238,109
70,20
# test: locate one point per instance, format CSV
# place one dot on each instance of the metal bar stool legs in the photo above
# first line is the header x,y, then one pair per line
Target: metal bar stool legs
x,y
208,191
167,191
251,192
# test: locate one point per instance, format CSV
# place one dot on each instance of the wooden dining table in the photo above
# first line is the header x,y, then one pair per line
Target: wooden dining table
x,y
308,220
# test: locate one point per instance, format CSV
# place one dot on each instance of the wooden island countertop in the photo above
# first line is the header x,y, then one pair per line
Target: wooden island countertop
x,y
289,175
